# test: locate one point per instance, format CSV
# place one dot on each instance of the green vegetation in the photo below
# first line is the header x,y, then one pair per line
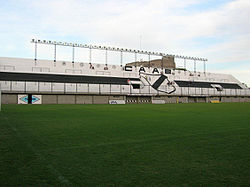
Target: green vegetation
x,y
125,145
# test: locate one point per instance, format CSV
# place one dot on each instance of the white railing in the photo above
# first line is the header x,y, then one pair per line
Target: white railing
x,y
45,87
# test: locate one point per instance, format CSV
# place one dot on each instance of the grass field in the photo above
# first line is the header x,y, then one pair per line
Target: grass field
x,y
125,145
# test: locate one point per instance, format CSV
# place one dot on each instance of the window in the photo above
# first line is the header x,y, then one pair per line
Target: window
x,y
136,86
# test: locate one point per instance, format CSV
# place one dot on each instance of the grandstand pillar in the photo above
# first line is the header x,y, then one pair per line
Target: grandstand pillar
x,y
11,82
185,65
24,87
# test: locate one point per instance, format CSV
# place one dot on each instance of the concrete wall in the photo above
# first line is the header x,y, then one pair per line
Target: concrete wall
x,y
169,99
117,97
191,100
225,99
66,99
97,99
84,99
9,98
200,99
49,99
183,100
247,99
101,99
235,99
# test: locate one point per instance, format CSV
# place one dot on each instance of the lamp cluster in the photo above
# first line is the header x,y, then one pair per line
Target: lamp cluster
x,y
49,42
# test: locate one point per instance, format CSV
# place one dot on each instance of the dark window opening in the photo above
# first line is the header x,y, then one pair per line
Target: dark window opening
x,y
167,71
219,89
136,86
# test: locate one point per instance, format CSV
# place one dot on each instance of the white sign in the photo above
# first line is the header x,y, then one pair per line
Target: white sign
x,y
36,99
116,102
22,99
158,102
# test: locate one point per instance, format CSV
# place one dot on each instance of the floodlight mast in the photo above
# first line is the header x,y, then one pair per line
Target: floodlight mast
x,y
121,50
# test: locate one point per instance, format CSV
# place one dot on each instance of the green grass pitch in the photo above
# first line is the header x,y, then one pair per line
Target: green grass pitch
x,y
125,145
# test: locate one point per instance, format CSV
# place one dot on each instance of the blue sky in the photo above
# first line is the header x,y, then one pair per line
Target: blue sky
x,y
215,29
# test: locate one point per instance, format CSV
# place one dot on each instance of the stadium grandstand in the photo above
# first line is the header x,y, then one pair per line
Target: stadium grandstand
x,y
35,81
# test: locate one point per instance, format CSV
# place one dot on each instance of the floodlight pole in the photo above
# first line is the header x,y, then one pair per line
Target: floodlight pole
x,y
162,64
148,60
194,66
106,57
90,54
121,58
35,52
55,53
136,59
204,64
73,54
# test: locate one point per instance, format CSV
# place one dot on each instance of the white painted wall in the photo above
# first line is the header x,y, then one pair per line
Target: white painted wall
x,y
81,68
